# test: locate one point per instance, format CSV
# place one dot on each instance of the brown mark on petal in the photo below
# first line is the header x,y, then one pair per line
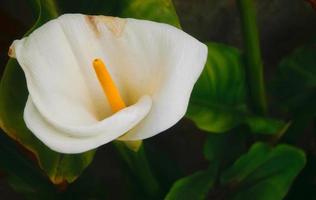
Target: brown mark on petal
x,y
91,22
114,24
11,52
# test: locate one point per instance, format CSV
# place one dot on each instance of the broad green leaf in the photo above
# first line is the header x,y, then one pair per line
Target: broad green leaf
x,y
295,88
195,186
155,10
218,101
264,173
265,125
218,98
304,185
295,84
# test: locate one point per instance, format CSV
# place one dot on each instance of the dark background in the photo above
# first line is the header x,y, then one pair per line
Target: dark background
x,y
284,25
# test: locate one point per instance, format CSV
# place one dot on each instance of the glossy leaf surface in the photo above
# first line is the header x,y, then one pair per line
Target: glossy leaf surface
x,y
264,173
195,186
295,84
218,97
218,102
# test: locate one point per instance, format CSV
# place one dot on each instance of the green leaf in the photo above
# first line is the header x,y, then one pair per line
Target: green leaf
x,y
295,89
218,98
155,10
138,165
218,101
266,126
264,173
295,85
195,186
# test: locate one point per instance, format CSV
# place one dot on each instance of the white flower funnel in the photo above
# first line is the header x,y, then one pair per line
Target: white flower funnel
x,y
154,67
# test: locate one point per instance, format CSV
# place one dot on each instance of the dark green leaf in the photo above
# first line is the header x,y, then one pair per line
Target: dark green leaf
x,y
218,98
264,173
267,126
295,89
218,101
138,165
195,186
155,10
295,85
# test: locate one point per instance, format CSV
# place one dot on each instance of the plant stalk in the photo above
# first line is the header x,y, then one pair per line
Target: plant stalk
x,y
139,166
252,55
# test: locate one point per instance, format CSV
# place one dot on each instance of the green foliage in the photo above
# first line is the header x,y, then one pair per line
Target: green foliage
x,y
295,85
155,10
252,56
219,97
266,126
195,186
295,89
264,173
138,164
218,101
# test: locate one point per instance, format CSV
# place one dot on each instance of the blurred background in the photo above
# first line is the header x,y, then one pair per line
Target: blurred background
x,y
284,25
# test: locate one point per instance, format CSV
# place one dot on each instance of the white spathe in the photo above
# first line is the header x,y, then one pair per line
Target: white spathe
x,y
154,65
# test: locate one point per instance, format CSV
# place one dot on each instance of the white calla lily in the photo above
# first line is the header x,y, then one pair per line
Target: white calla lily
x,y
153,65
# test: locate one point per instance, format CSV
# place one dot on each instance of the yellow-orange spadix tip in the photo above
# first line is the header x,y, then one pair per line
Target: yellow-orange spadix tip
x,y
109,88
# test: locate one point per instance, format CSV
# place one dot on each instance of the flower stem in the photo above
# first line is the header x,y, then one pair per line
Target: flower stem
x,y
139,166
254,67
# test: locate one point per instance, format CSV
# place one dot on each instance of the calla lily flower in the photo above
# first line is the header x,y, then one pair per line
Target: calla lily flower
x,y
95,79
